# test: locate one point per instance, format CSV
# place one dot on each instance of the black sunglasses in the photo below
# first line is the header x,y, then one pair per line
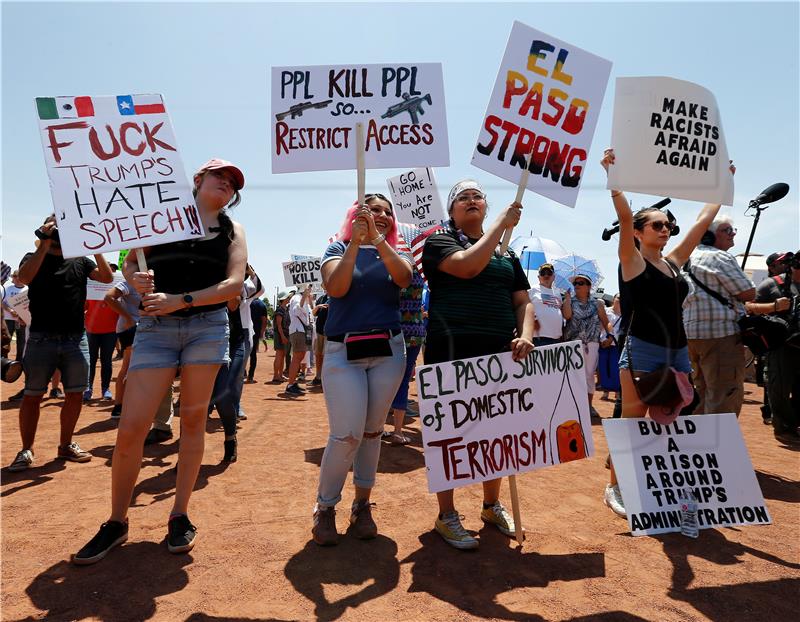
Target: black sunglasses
x,y
545,272
579,283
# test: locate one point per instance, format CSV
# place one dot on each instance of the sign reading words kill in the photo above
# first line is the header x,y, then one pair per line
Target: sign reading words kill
x,y
546,98
490,416
415,198
315,110
705,454
116,176
303,272
668,140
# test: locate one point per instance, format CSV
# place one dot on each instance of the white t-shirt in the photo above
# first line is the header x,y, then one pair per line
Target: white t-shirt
x,y
299,315
547,305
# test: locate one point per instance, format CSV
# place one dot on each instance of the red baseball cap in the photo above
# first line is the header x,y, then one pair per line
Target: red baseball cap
x,y
218,163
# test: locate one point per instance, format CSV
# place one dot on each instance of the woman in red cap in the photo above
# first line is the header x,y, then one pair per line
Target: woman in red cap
x,y
183,326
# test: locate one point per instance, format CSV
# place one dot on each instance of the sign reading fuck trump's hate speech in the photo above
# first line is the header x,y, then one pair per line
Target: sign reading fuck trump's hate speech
x,y
490,416
315,110
116,176
668,140
546,102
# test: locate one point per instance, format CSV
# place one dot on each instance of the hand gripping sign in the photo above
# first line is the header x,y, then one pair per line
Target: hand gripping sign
x,y
116,176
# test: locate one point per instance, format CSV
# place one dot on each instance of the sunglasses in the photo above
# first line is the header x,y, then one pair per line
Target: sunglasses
x,y
546,273
658,225
580,283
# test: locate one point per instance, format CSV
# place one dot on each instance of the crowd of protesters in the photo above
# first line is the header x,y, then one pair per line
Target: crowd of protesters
x,y
364,333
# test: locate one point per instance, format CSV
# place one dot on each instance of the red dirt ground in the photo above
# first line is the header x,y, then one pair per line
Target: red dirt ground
x,y
255,561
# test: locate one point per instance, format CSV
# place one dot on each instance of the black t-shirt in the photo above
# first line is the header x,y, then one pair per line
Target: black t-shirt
x,y
57,294
258,313
769,290
322,314
480,306
281,316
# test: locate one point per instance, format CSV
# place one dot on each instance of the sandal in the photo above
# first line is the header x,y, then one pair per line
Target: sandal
x,y
398,439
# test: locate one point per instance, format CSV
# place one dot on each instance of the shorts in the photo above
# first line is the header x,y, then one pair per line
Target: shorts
x,y
319,346
46,352
126,338
649,356
279,345
298,342
171,342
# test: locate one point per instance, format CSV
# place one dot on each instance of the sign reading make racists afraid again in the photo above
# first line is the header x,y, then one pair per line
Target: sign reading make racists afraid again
x,y
546,98
116,176
668,141
315,110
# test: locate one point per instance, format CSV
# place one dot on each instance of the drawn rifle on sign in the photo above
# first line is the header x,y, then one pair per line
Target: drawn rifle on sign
x,y
298,109
412,105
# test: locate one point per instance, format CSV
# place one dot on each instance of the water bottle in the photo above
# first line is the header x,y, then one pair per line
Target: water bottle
x,y
688,513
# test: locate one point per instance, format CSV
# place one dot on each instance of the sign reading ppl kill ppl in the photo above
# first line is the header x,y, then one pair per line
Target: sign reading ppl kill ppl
x,y
545,102
116,175
315,110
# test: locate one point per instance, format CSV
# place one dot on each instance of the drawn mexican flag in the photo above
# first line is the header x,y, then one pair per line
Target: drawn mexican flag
x,y
64,107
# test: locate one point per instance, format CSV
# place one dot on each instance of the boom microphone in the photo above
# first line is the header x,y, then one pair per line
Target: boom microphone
x,y
774,193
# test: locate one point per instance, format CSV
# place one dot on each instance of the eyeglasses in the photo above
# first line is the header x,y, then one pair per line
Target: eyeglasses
x,y
466,198
658,225
728,230
546,273
580,283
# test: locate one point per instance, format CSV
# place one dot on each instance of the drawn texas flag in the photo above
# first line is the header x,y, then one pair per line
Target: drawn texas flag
x,y
140,104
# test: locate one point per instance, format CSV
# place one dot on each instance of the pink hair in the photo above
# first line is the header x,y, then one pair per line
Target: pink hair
x,y
346,231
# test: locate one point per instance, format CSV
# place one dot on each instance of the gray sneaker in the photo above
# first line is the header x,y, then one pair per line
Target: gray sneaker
x,y
23,461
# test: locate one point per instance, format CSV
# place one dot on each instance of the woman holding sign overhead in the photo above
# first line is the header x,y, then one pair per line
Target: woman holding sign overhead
x,y
652,291
183,325
478,305
365,358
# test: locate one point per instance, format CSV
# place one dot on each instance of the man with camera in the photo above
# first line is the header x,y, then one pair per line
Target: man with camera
x,y
778,295
717,289
56,339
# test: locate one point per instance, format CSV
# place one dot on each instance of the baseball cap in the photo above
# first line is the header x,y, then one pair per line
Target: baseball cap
x,y
773,258
217,163
286,293
546,266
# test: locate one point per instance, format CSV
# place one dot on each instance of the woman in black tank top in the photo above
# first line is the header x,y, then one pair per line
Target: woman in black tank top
x,y
655,290
183,325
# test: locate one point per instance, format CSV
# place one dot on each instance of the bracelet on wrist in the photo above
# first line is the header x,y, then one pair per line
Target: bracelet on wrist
x,y
378,240
615,194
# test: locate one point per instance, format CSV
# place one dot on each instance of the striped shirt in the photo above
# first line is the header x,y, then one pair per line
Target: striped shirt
x,y
704,317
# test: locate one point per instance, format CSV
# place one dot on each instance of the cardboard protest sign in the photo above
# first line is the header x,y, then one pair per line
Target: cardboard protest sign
x,y
705,454
547,98
116,176
95,290
303,272
416,199
21,305
489,416
315,110
668,141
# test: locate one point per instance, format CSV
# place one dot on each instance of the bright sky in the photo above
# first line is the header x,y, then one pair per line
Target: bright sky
x,y
211,62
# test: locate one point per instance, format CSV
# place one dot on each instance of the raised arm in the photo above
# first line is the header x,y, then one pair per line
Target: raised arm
x,y
630,258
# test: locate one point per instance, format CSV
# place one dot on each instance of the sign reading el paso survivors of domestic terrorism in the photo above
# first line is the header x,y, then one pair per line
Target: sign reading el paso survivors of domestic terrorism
x,y
303,272
547,98
668,140
415,198
490,416
315,110
705,454
116,176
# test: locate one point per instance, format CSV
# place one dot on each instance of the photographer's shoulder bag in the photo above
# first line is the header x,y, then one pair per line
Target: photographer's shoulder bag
x,y
760,333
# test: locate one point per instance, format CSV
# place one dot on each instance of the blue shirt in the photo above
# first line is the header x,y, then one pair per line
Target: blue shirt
x,y
373,300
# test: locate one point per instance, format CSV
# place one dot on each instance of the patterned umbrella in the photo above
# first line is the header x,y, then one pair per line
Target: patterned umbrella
x,y
533,252
571,265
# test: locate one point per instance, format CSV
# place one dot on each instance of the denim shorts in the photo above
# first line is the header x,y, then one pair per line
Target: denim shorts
x,y
649,356
46,352
169,341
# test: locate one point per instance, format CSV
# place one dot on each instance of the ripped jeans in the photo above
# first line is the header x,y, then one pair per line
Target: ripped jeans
x,y
358,395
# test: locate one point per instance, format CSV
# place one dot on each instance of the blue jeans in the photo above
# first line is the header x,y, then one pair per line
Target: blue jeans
x,y
357,396
225,395
46,352
401,398
102,343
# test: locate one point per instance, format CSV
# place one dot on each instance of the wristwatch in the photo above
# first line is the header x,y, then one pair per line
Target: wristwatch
x,y
188,300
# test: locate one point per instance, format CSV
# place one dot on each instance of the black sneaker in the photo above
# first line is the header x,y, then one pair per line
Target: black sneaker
x,y
111,534
155,436
293,389
230,451
182,534
116,412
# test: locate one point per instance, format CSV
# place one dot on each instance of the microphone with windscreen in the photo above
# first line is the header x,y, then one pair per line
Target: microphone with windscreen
x,y
774,193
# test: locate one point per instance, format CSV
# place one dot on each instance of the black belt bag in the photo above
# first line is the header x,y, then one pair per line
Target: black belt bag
x,y
366,344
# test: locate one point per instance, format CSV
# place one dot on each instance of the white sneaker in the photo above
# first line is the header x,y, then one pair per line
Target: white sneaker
x,y
613,499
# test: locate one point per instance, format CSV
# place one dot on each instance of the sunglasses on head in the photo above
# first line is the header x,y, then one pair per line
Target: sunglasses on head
x,y
579,283
658,225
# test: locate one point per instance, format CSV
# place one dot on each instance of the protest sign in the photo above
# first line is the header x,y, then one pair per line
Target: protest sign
x,y
547,99
705,454
489,416
416,199
300,273
668,141
315,110
95,290
116,176
122,255
20,303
